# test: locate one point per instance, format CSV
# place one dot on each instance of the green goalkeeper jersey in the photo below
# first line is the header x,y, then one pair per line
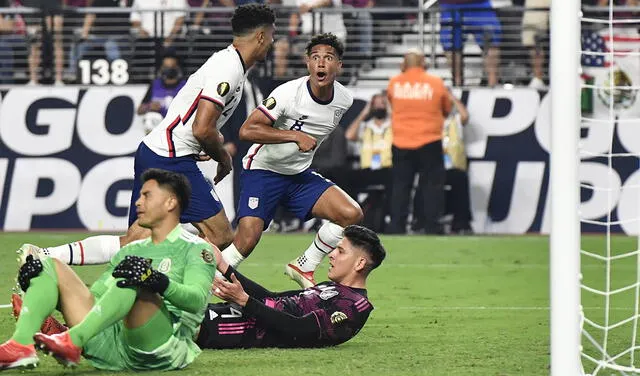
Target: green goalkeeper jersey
x,y
189,263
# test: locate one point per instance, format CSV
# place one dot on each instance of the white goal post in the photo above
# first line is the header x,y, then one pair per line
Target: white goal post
x,y
565,192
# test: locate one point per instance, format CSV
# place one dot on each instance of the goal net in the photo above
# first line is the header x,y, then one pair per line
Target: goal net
x,y
609,149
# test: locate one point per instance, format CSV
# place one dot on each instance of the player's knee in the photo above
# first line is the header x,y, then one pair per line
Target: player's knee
x,y
350,215
247,238
225,239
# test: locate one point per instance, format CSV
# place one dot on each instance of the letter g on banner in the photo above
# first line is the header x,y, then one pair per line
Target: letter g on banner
x,y
38,121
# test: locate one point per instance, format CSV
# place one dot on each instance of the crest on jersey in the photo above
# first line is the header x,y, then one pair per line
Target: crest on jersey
x,y
269,103
207,256
253,202
338,317
337,115
328,294
223,88
165,265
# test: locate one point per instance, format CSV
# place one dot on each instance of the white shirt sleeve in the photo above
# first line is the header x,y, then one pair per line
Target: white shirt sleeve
x,y
220,82
182,4
135,15
277,102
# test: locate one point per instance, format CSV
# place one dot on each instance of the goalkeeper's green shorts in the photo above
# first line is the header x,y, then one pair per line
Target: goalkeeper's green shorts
x,y
109,350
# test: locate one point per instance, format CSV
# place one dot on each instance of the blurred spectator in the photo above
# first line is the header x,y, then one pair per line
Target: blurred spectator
x,y
161,92
153,38
372,130
419,103
301,27
620,14
362,23
458,18
169,27
535,28
10,27
45,31
455,162
100,30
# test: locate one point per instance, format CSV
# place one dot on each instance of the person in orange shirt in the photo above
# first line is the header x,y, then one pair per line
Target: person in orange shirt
x,y
420,102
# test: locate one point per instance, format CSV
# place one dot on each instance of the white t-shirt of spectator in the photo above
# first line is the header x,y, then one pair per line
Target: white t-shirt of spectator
x,y
219,80
292,106
147,18
331,22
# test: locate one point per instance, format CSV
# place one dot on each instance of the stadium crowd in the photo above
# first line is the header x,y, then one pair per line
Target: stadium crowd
x,y
45,41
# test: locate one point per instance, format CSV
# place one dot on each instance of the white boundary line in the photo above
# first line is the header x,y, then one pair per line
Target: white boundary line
x,y
630,266
468,308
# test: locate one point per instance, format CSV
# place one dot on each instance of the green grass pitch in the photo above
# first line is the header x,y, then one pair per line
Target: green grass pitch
x,y
443,306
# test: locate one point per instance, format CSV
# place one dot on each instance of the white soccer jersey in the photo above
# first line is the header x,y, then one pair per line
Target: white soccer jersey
x,y
220,80
292,106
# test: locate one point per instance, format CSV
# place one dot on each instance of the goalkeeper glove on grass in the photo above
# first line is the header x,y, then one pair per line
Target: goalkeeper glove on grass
x,y
30,269
137,272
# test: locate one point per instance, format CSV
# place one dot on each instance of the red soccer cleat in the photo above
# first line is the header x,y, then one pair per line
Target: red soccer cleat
x,y
304,279
49,326
16,305
16,355
60,347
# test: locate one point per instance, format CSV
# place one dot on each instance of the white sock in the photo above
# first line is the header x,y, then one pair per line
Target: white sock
x,y
93,250
325,241
190,228
232,256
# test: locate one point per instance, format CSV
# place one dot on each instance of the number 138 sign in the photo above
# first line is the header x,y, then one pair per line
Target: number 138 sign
x,y
101,72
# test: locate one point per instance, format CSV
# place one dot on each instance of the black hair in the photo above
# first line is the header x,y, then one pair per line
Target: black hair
x,y
368,241
251,16
172,181
171,53
326,39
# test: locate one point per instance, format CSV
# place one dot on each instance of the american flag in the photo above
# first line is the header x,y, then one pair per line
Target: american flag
x,y
624,42
592,42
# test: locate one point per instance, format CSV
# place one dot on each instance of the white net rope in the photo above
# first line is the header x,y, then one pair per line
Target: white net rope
x,y
610,188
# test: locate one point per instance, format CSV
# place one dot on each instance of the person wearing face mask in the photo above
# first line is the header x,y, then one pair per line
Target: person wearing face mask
x,y
164,88
371,130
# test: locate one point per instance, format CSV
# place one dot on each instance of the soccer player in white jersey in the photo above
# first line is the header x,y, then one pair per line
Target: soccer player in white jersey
x,y
286,129
191,126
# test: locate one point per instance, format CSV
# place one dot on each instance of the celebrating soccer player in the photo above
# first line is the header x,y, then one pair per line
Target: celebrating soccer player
x,y
327,314
142,313
286,129
191,126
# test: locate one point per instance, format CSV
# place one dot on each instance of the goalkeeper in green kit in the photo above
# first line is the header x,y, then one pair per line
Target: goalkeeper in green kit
x,y
142,313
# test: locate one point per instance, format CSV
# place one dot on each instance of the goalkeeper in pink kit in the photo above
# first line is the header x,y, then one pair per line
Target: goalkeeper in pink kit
x,y
326,314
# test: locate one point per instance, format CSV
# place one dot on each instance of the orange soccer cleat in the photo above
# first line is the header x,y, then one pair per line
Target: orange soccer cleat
x,y
304,279
16,355
60,347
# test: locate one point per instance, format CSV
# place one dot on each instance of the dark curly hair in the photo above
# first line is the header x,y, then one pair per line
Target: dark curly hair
x,y
326,39
251,16
175,183
368,241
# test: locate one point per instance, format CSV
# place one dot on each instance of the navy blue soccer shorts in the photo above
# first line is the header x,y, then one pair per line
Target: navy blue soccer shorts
x,y
477,18
203,203
262,191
